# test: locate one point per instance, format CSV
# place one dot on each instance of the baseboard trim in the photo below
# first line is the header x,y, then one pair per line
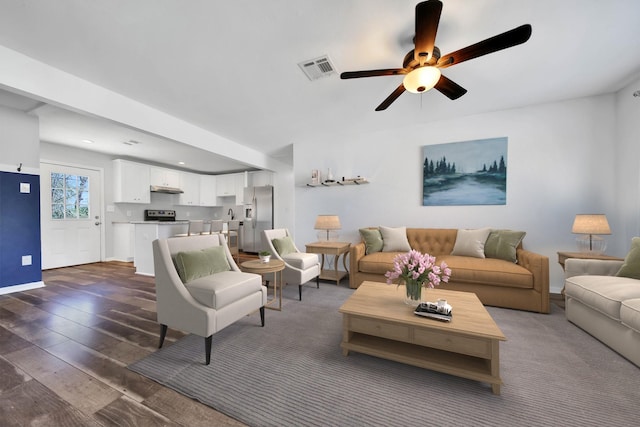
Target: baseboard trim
x,y
118,259
21,288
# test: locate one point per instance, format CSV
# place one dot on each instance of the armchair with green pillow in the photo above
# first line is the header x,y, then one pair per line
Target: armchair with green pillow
x,y
200,289
299,267
603,298
488,262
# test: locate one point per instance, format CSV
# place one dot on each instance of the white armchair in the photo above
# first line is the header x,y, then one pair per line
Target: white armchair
x,y
299,267
215,292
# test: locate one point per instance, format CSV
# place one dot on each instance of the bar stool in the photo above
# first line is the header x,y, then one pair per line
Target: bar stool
x,y
196,227
233,237
216,226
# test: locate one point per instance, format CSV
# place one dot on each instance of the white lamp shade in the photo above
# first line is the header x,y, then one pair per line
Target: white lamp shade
x,y
421,79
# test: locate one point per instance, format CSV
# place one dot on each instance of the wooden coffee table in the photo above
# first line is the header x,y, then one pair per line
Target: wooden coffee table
x,y
377,322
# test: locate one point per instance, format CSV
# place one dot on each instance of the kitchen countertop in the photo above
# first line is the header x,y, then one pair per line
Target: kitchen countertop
x,y
178,221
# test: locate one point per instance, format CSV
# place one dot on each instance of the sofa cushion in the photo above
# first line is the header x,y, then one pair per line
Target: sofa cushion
x,y
631,266
432,241
192,265
284,245
394,239
221,289
377,262
487,271
630,313
301,260
502,244
471,242
602,293
372,240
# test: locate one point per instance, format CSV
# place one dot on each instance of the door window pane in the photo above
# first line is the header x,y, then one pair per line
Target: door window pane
x,y
69,196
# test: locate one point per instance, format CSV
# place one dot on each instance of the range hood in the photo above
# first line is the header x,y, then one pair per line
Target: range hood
x,y
166,190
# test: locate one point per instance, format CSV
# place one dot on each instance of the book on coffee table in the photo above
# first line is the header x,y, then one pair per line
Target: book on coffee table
x,y
427,310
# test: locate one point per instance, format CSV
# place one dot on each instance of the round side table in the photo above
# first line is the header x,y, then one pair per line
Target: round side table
x,y
274,266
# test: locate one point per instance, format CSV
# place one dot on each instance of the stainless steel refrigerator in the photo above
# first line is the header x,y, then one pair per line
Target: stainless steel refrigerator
x,y
261,218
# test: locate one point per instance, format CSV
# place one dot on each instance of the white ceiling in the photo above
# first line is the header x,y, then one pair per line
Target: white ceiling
x,y
231,67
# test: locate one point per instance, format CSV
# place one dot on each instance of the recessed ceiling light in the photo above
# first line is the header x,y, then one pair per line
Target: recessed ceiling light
x,y
181,163
88,141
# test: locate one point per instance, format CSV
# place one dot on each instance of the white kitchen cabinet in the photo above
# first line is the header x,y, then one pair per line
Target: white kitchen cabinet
x,y
231,185
164,177
208,194
190,185
131,182
260,179
240,180
225,185
123,241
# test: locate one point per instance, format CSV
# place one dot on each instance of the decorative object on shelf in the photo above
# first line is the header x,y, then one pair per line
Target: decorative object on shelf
x,y
417,270
329,177
328,223
264,256
357,180
588,225
315,177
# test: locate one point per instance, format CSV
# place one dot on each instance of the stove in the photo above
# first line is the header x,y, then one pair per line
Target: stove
x,y
159,215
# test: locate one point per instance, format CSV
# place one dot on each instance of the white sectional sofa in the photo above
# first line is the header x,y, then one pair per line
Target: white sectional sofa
x,y
604,305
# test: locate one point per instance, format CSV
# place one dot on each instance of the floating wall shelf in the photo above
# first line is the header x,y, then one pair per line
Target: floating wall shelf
x,y
340,183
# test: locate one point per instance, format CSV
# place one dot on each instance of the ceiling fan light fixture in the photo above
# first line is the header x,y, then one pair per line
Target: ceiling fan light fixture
x,y
421,79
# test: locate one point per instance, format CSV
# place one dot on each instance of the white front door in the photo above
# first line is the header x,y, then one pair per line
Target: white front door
x,y
70,199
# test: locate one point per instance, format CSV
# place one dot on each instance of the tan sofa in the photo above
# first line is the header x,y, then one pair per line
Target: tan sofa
x,y
523,285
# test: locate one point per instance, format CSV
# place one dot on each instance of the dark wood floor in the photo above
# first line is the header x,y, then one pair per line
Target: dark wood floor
x,y
64,350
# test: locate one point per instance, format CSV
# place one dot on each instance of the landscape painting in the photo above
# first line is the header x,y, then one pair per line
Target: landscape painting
x,y
465,173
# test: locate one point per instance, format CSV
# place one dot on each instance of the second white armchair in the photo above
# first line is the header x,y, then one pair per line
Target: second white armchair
x,y
299,267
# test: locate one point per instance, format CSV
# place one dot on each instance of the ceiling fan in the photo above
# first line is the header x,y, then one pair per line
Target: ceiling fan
x,y
421,66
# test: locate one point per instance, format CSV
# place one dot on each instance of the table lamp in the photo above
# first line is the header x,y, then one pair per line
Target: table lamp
x,y
590,224
327,223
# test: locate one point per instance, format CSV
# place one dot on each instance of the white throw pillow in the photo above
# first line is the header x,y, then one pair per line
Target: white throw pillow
x,y
394,239
471,242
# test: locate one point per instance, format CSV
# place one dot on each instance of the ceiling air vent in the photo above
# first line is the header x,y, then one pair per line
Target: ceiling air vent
x,y
317,68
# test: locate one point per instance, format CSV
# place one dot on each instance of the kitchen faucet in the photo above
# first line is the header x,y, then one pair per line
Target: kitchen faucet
x,y
231,213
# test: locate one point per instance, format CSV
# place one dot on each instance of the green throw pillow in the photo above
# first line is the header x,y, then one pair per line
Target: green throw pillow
x,y
284,245
372,240
631,266
502,244
196,264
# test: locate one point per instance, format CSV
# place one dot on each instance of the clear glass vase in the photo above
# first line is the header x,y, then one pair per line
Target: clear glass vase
x,y
413,292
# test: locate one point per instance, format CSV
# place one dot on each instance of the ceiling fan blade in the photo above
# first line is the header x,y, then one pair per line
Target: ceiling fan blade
x,y
427,19
449,88
372,73
505,40
394,95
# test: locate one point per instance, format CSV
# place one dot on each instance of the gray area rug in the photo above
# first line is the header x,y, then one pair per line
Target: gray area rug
x,y
292,373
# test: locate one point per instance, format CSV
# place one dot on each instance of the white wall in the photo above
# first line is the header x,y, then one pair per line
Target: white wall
x,y
627,146
560,163
19,141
